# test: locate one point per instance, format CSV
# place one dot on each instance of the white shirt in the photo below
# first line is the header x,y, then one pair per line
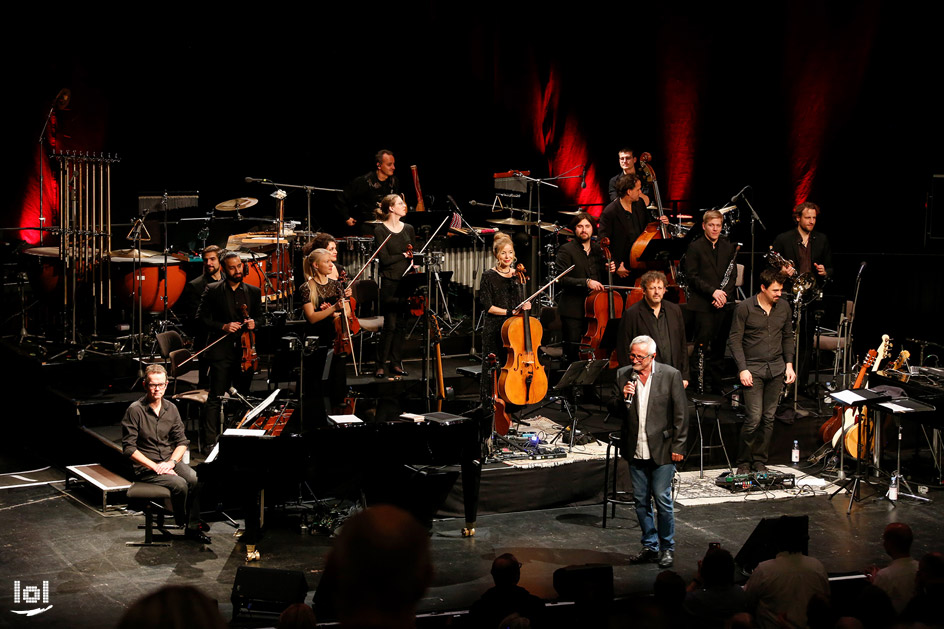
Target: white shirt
x,y
785,585
898,581
642,412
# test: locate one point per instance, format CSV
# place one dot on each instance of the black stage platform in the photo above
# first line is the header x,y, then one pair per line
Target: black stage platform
x,y
60,536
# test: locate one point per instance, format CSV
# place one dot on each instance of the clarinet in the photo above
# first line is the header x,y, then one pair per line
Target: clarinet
x,y
727,272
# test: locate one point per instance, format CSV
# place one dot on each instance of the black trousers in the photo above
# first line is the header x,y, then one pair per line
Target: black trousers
x,y
393,308
224,374
711,332
184,492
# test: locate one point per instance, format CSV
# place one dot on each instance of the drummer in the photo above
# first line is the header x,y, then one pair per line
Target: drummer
x,y
811,254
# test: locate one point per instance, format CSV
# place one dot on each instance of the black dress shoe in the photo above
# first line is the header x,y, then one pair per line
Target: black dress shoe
x,y
203,526
398,371
380,373
646,555
198,536
666,558
744,468
760,467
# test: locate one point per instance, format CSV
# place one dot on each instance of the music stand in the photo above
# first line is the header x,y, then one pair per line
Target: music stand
x,y
578,375
858,398
897,407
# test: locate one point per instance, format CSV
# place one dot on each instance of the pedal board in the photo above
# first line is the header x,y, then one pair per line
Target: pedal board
x,y
756,480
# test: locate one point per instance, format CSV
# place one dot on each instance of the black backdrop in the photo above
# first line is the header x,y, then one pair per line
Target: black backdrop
x,y
837,103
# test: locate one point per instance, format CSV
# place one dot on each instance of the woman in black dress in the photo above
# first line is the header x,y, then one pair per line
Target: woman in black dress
x,y
499,292
394,261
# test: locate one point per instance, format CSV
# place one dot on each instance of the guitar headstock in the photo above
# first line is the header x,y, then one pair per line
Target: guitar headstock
x,y
884,349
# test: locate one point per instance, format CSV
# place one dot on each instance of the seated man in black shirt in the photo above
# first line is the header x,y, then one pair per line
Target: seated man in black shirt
x,y
361,197
152,434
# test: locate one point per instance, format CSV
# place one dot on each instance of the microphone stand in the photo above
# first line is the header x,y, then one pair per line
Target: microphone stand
x,y
477,238
755,218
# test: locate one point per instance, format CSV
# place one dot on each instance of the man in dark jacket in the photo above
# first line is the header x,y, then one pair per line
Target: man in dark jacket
x,y
222,314
655,426
507,597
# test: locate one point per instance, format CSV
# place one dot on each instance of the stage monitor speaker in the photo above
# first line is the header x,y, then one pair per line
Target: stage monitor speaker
x,y
267,590
770,536
589,583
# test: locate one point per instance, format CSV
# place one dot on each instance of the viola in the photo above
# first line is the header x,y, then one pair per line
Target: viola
x,y
602,308
247,340
523,379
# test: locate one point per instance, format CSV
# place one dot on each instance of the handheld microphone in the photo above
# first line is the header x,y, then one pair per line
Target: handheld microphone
x,y
633,377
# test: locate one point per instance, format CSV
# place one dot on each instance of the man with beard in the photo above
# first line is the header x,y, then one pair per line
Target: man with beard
x,y
190,301
660,319
587,276
221,313
810,251
761,341
711,294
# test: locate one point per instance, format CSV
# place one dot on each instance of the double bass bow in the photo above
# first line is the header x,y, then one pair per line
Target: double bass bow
x,y
523,380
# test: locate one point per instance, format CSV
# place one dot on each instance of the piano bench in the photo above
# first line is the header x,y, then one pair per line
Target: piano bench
x,y
98,476
148,494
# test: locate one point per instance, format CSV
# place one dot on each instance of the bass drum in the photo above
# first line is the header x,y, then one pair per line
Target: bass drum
x,y
152,284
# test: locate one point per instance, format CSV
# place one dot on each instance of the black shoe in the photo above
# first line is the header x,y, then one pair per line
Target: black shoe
x,y
760,467
646,555
743,469
666,558
397,370
380,373
198,536
203,526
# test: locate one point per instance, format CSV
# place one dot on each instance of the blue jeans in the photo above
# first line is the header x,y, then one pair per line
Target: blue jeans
x,y
654,482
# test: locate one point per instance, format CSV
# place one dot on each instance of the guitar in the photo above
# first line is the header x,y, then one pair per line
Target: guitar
x,y
849,415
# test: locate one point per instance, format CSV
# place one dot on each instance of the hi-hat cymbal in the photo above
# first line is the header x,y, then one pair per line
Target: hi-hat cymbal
x,y
509,221
234,205
558,229
574,213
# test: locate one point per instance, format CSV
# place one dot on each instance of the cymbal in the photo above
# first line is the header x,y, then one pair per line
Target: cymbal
x,y
509,221
574,213
557,229
236,204
133,253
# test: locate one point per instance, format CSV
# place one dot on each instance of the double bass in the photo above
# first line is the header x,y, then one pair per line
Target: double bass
x,y
602,308
523,380
656,230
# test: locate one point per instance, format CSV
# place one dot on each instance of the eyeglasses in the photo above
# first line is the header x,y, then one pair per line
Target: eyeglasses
x,y
151,385
638,357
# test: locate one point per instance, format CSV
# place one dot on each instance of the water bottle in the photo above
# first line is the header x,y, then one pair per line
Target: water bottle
x,y
893,488
795,453
736,397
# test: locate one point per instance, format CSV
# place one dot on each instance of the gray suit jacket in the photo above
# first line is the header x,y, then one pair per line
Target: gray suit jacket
x,y
666,418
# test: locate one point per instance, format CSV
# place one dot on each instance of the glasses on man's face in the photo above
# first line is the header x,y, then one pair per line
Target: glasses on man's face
x,y
158,385
638,357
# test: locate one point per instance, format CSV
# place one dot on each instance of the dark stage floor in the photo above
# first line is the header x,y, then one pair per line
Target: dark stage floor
x,y
51,536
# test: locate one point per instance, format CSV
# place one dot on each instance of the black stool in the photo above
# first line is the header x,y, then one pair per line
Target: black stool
x,y
611,495
702,407
148,493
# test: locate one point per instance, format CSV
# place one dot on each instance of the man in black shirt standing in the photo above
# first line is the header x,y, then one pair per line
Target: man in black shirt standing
x,y
190,302
711,275
221,313
761,341
362,196
152,435
627,162
622,221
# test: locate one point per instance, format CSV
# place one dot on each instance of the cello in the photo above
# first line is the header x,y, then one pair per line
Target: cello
x,y
602,308
523,379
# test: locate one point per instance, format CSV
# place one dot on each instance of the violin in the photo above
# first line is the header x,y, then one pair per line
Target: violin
x,y
602,308
523,379
347,324
247,340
